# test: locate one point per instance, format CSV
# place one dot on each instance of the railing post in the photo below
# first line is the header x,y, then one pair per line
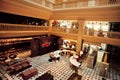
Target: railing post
x,y
43,3
51,6
63,5
78,4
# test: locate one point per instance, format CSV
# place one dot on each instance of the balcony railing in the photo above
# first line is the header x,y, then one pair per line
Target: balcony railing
x,y
65,30
105,34
19,27
75,4
84,4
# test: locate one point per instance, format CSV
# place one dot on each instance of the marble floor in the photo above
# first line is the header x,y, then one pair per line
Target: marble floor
x,y
61,69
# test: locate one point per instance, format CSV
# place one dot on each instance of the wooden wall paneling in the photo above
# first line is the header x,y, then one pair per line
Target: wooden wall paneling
x,y
98,13
8,34
102,40
21,9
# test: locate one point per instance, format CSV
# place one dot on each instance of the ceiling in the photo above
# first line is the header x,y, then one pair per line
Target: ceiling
x,y
34,8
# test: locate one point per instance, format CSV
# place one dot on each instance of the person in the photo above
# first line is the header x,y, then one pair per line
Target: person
x,y
100,33
55,56
52,56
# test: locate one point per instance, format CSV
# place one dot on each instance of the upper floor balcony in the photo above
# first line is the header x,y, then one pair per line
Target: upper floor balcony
x,y
14,29
65,30
18,30
100,33
74,4
20,27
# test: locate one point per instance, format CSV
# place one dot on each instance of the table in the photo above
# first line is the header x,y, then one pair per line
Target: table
x,y
56,53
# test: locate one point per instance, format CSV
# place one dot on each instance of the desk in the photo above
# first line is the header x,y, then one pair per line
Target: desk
x,y
91,60
74,62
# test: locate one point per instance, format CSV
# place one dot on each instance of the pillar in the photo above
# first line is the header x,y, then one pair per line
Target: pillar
x,y
49,27
80,35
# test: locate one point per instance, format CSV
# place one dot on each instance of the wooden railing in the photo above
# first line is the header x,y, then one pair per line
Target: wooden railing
x,y
65,30
19,27
76,4
44,3
105,34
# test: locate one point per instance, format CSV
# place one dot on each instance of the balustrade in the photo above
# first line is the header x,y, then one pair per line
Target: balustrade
x,y
75,4
102,34
18,27
65,30
79,4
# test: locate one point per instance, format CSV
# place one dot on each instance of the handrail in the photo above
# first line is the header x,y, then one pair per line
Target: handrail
x,y
65,30
106,34
20,27
92,4
75,4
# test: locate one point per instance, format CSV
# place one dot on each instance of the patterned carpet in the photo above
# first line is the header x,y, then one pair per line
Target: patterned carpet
x,y
60,70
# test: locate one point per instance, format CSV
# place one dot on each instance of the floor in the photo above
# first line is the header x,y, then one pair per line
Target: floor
x,y
61,69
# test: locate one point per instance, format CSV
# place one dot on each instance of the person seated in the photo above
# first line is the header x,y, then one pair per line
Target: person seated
x,y
52,56
100,33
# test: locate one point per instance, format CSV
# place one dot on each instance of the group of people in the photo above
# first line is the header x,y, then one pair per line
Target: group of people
x,y
54,56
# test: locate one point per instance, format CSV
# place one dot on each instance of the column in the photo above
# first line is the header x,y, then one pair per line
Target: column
x,y
49,27
80,35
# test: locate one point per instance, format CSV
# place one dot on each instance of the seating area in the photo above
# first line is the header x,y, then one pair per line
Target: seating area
x,y
60,70
18,66
56,54
60,40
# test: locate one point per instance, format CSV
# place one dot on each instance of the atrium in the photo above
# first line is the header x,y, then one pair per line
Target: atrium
x,y
60,40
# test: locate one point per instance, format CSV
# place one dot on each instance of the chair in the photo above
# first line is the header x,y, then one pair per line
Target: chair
x,y
29,73
75,76
46,76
